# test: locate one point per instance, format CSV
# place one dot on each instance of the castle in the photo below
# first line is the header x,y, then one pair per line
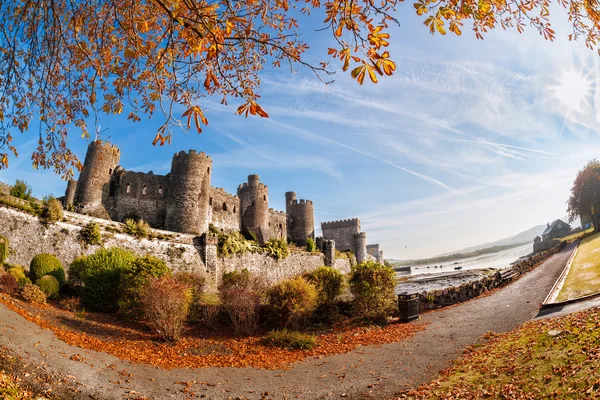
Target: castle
x,y
184,201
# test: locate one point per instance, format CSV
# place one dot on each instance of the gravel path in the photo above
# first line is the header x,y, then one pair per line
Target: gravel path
x,y
368,372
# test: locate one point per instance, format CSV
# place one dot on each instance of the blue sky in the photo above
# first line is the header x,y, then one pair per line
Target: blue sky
x,y
470,141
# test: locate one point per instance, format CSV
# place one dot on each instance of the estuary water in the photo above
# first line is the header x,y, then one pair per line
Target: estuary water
x,y
500,260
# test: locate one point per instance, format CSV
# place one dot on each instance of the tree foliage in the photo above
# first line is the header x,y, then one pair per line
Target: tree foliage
x,y
67,61
585,194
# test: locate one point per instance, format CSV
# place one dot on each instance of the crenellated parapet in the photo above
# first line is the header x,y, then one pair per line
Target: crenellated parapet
x,y
300,219
342,223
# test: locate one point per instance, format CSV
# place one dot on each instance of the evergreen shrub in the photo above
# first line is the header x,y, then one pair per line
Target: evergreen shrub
x,y
46,264
292,300
373,285
49,286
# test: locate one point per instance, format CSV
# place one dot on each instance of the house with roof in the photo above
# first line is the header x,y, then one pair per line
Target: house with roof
x,y
549,238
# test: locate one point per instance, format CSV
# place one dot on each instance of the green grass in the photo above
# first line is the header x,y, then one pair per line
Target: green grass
x,y
527,363
577,235
584,276
287,339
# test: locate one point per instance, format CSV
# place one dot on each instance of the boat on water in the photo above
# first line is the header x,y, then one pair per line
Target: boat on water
x,y
458,268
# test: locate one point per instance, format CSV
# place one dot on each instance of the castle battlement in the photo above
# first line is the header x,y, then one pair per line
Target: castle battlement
x,y
301,201
373,246
190,154
360,235
105,145
341,223
276,212
223,192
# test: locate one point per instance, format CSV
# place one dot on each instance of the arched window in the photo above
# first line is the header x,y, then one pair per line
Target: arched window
x,y
128,188
110,171
208,170
210,201
160,190
234,209
264,197
145,189
224,206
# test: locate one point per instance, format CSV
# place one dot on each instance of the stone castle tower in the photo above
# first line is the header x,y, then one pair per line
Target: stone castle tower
x,y
189,186
92,189
300,219
254,208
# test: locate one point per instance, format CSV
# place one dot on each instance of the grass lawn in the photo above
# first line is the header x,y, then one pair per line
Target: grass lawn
x,y
584,276
577,235
527,363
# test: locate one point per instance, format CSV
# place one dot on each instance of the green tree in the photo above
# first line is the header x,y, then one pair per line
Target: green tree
x,y
584,201
21,190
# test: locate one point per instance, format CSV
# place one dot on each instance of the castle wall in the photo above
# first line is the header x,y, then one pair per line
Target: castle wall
x,y
300,219
92,189
224,210
360,249
189,192
137,194
277,224
342,232
374,250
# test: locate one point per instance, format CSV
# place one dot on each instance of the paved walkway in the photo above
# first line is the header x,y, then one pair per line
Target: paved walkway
x,y
368,372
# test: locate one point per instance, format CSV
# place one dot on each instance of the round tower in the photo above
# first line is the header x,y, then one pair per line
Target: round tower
x,y
188,204
70,192
92,189
254,207
300,219
360,243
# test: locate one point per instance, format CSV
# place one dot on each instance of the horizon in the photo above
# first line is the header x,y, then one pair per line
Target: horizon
x,y
469,142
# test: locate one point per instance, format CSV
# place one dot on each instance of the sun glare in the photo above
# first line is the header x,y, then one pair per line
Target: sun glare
x,y
573,90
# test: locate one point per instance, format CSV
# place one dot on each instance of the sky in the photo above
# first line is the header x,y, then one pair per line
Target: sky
x,y
470,141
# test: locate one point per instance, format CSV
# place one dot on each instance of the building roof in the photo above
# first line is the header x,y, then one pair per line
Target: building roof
x,y
557,225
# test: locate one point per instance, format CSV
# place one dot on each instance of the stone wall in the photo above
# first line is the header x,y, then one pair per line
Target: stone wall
x,y
445,297
342,232
182,252
224,210
277,224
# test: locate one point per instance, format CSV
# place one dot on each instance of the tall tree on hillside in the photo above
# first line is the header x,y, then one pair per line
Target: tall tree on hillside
x,y
585,194
63,61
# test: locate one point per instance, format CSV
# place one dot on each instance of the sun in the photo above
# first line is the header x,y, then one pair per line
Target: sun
x,y
573,90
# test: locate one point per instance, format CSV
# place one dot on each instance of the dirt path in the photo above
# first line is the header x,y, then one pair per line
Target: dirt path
x,y
369,372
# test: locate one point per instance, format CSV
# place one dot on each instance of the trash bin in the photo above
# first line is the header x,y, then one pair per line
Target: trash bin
x,y
408,306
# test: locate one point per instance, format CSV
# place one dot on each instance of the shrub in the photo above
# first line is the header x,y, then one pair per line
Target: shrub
x,y
234,243
372,285
208,310
292,300
311,246
16,272
21,190
33,294
242,295
287,339
196,283
52,211
329,283
134,278
49,286
166,305
139,229
46,264
8,284
276,248
100,276
90,234
4,248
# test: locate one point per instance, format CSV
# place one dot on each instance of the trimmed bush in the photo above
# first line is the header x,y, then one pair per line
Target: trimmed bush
x,y
133,280
276,248
166,305
287,339
16,272
329,283
139,229
241,296
52,211
8,284
4,249
196,283
292,300
46,264
373,285
311,246
49,286
100,276
90,234
33,294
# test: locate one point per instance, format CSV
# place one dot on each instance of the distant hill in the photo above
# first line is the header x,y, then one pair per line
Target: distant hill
x,y
522,237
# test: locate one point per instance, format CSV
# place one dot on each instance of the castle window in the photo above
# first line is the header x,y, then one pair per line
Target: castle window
x,y
145,189
160,190
269,224
110,171
128,189
224,206
265,197
208,170
280,226
234,209
210,201
156,203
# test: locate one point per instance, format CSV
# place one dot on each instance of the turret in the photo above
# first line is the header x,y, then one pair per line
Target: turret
x,y
254,208
92,189
188,201
300,219
360,243
70,193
